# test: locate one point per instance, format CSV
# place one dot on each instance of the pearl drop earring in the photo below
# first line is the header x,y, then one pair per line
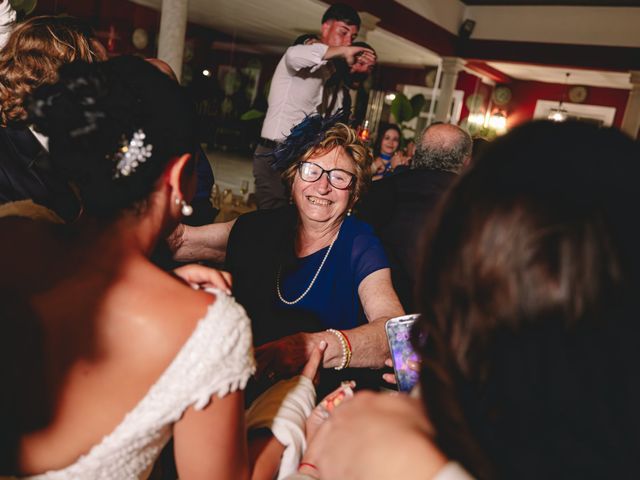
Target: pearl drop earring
x,y
186,209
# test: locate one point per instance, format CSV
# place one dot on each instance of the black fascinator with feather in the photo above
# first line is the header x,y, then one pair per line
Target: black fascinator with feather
x,y
308,133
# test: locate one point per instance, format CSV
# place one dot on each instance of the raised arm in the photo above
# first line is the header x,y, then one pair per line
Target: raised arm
x,y
193,244
299,57
351,54
315,55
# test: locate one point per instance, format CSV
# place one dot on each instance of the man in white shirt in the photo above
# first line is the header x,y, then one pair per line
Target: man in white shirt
x,y
296,91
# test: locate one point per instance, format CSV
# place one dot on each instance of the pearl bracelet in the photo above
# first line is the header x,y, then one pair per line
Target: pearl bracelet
x,y
346,348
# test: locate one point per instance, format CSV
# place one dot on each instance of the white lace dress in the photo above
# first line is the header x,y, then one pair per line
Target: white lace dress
x,y
216,359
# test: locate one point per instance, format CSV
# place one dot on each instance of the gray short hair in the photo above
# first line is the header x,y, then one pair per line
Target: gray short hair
x,y
445,151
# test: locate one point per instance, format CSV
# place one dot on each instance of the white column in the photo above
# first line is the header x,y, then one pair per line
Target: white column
x,y
173,26
368,23
451,66
631,119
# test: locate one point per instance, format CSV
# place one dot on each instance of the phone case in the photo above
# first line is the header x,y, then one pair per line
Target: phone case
x,y
398,333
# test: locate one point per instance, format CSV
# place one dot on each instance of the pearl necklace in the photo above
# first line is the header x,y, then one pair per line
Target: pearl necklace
x,y
313,280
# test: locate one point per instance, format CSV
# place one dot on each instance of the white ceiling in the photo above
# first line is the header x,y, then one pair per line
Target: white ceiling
x,y
605,26
593,78
274,24
572,25
271,26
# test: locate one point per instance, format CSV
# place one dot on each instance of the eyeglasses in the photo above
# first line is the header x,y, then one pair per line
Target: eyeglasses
x,y
338,178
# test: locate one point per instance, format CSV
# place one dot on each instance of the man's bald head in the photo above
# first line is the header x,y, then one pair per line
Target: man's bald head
x,y
443,147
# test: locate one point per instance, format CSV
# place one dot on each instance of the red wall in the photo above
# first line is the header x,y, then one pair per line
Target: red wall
x,y
113,20
526,93
471,84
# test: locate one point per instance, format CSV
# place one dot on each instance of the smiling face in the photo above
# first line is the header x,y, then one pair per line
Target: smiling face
x,y
319,201
390,142
336,33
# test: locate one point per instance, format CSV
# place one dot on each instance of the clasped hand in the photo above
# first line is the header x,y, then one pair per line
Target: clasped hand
x,y
283,358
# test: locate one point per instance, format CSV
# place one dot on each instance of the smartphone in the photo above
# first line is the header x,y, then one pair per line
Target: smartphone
x,y
399,333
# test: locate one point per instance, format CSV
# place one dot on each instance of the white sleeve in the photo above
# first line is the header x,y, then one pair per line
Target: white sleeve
x,y
284,409
306,56
223,359
7,21
217,359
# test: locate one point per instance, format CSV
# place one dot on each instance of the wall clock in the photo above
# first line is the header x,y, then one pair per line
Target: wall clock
x,y
577,94
501,95
140,38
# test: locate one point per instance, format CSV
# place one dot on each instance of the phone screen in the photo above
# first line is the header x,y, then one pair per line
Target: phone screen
x,y
399,333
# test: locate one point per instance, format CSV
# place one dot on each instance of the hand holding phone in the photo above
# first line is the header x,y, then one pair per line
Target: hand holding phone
x,y
402,354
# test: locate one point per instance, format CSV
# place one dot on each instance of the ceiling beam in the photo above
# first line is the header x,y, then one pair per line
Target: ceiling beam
x,y
488,71
595,56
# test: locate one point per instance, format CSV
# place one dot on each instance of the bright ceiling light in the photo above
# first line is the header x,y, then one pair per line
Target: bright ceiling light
x,y
557,114
476,119
498,122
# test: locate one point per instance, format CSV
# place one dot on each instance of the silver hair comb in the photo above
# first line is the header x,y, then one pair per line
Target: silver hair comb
x,y
132,154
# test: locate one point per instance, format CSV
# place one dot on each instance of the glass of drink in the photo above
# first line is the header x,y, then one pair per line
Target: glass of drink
x,y
215,196
244,190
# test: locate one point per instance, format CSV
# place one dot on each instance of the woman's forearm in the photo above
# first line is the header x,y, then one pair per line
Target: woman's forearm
x,y
368,343
208,242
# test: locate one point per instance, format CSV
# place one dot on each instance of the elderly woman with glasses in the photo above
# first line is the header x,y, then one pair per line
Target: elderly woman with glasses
x,y
310,271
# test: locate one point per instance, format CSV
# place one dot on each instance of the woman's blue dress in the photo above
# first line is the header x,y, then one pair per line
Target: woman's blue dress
x,y
334,298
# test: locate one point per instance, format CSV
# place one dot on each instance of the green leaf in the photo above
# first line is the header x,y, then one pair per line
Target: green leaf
x,y
252,114
401,108
24,6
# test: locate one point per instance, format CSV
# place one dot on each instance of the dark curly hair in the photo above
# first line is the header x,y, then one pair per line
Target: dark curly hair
x,y
94,110
528,295
33,54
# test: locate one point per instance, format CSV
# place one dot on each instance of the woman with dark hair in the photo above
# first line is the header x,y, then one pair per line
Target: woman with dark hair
x,y
104,355
386,151
529,297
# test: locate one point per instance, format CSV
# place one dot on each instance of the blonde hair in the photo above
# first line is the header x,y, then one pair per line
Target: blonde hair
x,y
340,136
34,52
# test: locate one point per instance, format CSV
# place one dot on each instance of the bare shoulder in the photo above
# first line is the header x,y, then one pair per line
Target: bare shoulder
x,y
162,314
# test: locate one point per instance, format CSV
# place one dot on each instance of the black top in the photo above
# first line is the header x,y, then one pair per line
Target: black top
x,y
259,242
399,208
26,173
